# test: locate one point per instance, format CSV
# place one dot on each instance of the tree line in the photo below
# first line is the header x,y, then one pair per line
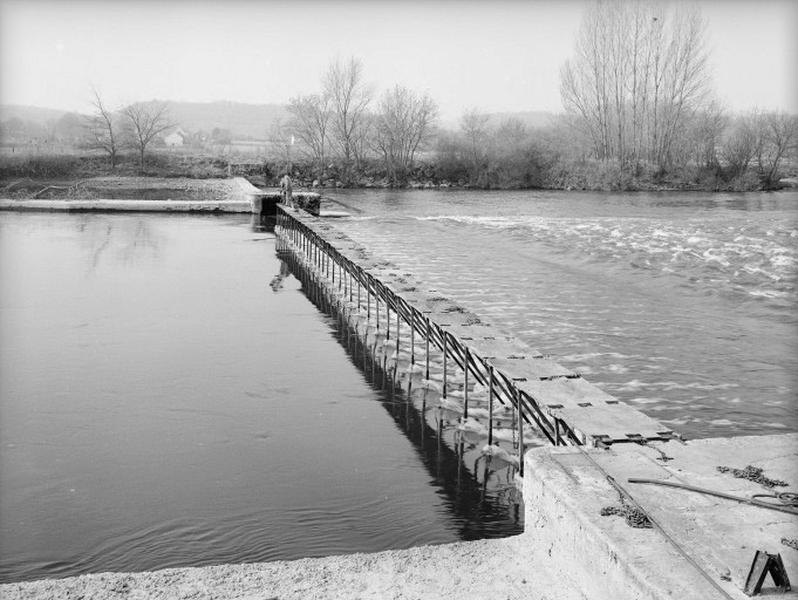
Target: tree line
x,y
638,91
339,122
109,130
639,114
134,126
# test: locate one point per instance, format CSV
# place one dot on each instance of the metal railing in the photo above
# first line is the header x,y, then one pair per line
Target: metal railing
x,y
388,312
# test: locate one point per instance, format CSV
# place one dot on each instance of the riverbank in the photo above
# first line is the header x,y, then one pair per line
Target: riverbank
x,y
183,194
56,176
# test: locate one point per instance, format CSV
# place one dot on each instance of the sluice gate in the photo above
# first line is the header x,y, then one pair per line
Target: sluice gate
x,y
477,368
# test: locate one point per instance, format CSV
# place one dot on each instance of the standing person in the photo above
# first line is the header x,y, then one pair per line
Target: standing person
x,y
288,191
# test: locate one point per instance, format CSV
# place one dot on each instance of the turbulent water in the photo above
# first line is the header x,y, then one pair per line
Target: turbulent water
x,y
684,305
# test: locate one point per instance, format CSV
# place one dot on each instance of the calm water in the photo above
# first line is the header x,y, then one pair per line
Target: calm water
x,y
682,304
161,405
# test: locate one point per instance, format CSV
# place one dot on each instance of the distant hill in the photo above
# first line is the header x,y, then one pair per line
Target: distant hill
x,y
34,114
242,120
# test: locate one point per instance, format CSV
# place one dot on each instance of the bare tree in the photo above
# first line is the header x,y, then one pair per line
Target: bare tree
x,y
404,123
704,136
310,118
103,129
282,142
474,126
638,75
349,99
740,145
145,122
776,136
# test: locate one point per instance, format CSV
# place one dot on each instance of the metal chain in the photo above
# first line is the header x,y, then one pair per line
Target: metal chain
x,y
633,515
790,542
754,474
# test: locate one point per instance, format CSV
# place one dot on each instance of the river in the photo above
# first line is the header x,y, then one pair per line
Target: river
x,y
163,405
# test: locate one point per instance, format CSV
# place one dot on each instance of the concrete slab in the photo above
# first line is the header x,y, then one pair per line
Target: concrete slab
x,y
566,488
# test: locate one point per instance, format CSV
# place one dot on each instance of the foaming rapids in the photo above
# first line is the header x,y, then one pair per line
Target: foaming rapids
x,y
686,307
744,259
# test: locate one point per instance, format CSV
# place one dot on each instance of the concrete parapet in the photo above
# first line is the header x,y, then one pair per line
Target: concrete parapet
x,y
700,547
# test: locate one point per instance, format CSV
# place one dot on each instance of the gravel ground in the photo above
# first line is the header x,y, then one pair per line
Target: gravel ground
x,y
194,189
483,569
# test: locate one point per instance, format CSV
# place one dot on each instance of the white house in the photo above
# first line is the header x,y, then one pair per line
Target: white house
x,y
176,138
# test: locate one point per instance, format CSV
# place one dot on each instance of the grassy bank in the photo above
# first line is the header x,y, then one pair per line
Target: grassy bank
x,y
28,176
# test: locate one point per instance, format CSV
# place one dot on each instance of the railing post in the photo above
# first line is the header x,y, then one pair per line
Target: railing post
x,y
465,387
490,405
520,432
444,362
426,342
412,341
397,334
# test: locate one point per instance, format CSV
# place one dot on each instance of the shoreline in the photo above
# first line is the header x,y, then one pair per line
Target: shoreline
x,y
239,188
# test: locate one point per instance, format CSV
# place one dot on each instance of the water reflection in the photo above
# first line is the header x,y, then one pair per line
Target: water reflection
x,y
277,281
263,223
123,241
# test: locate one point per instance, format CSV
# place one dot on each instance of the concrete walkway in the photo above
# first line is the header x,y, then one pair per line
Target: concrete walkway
x,y
566,488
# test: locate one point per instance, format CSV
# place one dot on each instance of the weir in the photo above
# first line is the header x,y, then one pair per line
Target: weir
x,y
556,403
485,507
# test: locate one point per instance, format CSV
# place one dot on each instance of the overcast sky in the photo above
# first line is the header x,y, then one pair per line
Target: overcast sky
x,y
495,56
